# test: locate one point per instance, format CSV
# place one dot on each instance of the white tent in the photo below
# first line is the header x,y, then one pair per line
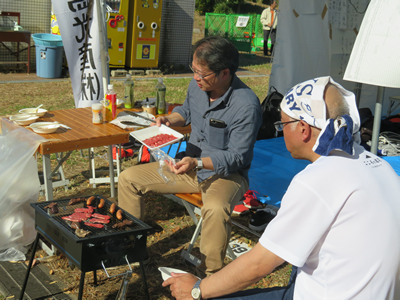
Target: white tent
x,y
315,38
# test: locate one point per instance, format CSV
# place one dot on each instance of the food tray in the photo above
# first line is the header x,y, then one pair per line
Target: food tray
x,y
149,132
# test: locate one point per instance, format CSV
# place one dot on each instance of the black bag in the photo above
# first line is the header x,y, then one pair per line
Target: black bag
x,y
271,112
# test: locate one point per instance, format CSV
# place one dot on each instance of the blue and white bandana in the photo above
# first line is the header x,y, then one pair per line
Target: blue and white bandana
x,y
305,101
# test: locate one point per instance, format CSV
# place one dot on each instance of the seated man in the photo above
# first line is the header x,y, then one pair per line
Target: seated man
x,y
225,116
339,221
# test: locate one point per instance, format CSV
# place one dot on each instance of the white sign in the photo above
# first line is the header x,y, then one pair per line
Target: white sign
x,y
242,21
239,248
73,19
375,55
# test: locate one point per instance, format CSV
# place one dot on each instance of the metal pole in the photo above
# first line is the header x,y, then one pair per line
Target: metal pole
x,y
103,44
377,121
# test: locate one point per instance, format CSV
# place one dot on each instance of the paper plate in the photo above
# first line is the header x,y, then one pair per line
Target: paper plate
x,y
32,111
152,131
166,272
23,119
125,117
44,127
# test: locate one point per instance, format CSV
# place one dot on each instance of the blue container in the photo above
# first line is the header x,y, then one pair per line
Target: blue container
x,y
49,55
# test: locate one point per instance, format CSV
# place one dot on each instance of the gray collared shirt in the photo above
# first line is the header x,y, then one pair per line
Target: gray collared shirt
x,y
230,148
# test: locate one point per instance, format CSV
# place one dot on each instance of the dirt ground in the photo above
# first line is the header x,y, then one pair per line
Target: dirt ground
x,y
171,231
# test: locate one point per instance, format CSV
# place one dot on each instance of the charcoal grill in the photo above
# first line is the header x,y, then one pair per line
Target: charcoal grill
x,y
102,248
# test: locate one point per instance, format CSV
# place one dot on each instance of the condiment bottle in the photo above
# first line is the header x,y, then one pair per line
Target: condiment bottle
x,y
160,96
151,109
97,114
111,103
128,90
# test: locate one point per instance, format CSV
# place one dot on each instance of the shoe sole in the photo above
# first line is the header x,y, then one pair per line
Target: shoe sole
x,y
258,228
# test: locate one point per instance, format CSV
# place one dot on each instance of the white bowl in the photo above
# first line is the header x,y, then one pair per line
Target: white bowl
x,y
166,272
23,119
32,111
44,127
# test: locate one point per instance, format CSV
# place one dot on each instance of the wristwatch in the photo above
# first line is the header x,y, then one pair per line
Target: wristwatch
x,y
199,164
196,293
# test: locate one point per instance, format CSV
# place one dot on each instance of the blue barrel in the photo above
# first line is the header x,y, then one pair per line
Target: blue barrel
x,y
49,55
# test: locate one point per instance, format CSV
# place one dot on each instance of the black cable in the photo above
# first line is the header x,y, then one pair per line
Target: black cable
x,y
356,8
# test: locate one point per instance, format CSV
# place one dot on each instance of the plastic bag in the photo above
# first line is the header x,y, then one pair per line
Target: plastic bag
x,y
164,160
19,186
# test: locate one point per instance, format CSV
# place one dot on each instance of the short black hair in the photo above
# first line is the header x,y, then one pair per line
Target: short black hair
x,y
218,53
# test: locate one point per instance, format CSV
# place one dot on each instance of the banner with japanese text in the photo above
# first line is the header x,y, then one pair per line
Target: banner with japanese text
x,y
78,24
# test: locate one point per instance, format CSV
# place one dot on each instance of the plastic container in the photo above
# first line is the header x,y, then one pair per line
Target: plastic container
x,y
128,90
151,109
111,104
151,131
49,55
160,97
97,114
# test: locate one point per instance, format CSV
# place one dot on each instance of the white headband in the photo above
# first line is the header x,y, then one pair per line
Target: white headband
x,y
305,101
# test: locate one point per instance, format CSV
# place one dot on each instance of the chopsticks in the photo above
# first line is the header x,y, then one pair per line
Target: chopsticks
x,y
140,116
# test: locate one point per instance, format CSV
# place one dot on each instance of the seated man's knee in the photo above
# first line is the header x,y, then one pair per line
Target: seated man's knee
x,y
215,210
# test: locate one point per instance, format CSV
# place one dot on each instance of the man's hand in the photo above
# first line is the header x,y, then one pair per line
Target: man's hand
x,y
185,165
181,285
269,24
162,120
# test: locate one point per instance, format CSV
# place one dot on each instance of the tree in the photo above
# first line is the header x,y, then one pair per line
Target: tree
x,y
218,6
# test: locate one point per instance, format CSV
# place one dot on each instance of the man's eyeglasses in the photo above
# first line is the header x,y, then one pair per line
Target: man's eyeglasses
x,y
198,74
279,125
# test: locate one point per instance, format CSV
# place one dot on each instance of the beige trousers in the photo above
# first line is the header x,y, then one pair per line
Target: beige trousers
x,y
219,195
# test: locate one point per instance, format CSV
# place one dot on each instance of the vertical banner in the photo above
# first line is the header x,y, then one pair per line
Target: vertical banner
x,y
80,34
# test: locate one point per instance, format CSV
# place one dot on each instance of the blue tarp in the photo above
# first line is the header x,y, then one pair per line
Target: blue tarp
x,y
273,168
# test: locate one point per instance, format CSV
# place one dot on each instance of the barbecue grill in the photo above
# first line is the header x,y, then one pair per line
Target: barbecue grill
x,y
101,248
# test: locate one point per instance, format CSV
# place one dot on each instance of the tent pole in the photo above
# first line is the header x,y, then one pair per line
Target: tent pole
x,y
103,45
377,121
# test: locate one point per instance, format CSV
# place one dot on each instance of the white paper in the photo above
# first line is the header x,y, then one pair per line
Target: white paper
x,y
375,58
338,64
343,42
242,21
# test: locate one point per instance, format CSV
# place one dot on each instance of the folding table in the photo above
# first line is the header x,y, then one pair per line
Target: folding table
x,y
82,135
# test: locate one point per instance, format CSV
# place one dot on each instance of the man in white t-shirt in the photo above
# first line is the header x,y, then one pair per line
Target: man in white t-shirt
x,y
339,221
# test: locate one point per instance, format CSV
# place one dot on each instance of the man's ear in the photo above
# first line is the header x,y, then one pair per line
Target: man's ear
x,y
225,73
306,131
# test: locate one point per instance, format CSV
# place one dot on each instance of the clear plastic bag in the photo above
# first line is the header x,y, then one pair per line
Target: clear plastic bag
x,y
19,186
164,161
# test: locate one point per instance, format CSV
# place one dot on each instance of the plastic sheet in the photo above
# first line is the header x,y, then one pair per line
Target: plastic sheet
x,y
19,186
164,161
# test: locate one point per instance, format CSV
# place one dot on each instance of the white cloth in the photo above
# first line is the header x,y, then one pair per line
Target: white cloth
x,y
305,101
339,222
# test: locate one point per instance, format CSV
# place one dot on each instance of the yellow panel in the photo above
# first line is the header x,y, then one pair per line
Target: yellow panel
x,y
144,34
117,29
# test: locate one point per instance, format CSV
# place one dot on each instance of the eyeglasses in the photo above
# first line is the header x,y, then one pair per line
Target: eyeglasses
x,y
198,74
279,125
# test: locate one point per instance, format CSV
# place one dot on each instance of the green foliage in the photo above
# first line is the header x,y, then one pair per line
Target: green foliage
x,y
204,6
223,8
218,6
